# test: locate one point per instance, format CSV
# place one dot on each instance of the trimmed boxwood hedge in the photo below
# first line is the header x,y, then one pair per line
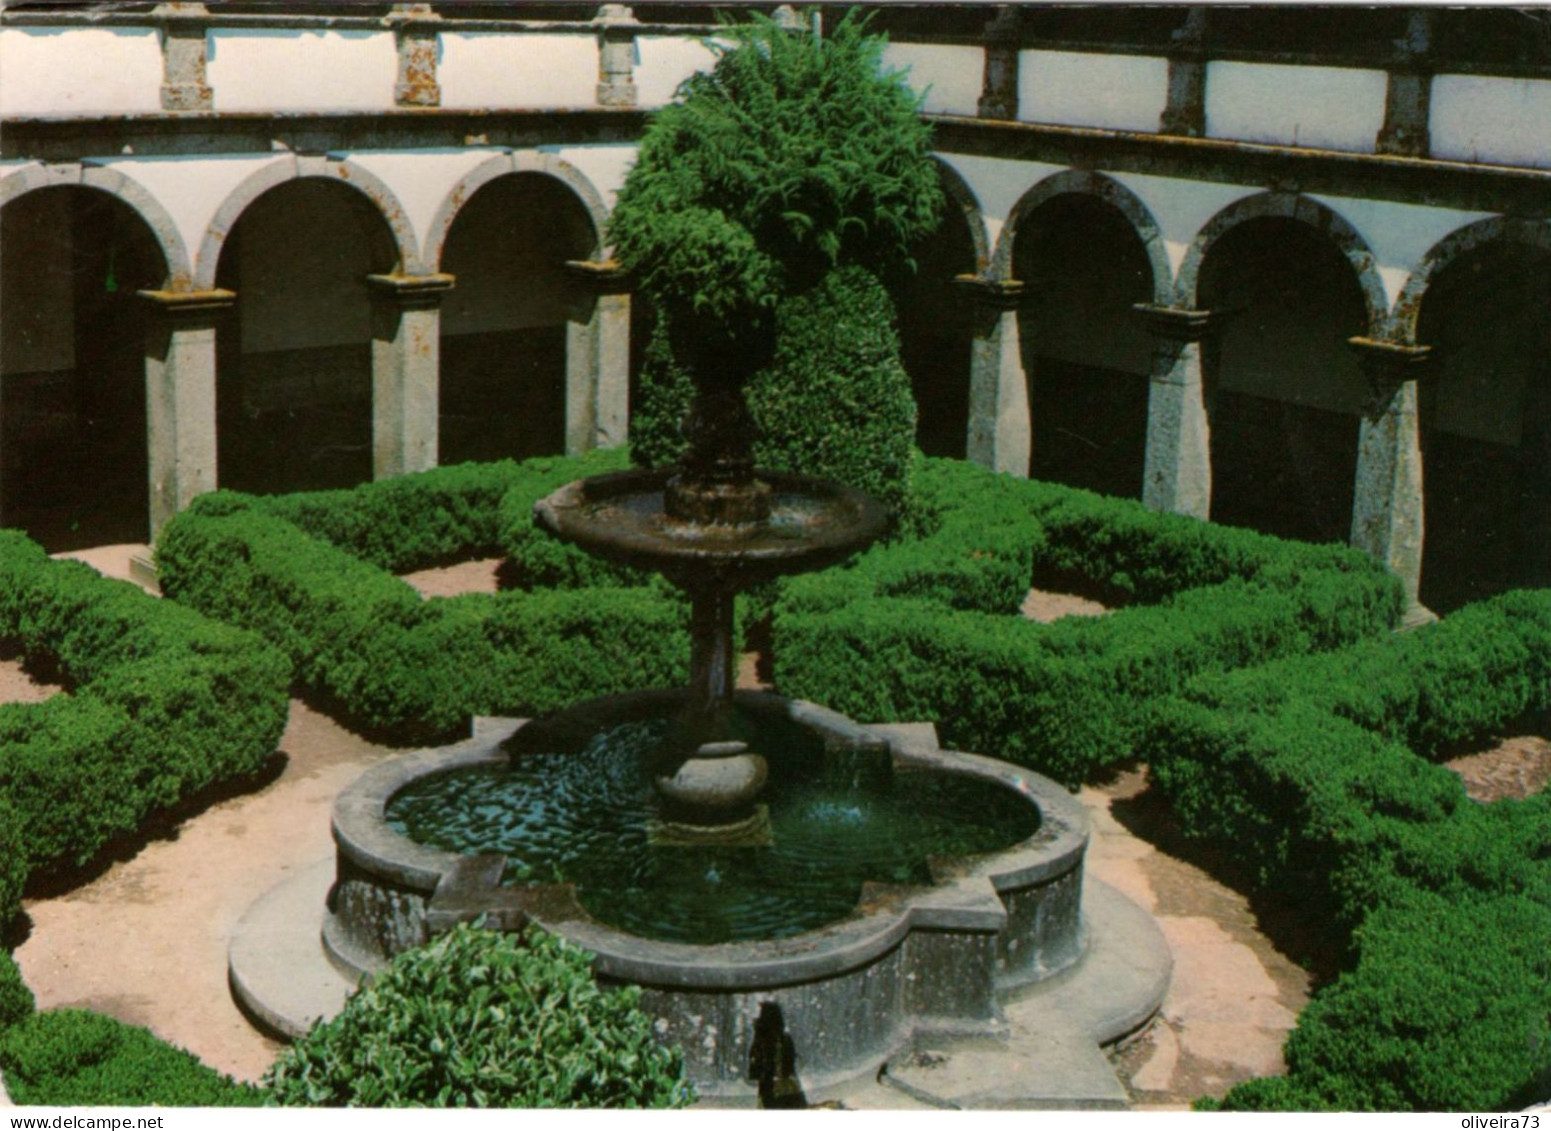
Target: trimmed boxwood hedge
x,y
162,703
366,640
1317,770
1067,698
70,1057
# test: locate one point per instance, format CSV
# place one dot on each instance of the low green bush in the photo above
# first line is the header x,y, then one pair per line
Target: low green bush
x,y
536,559
16,1000
162,703
1071,697
408,522
1315,770
366,641
483,1019
69,1057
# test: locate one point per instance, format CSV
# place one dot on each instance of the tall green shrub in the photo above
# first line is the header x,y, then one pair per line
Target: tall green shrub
x,y
766,202
484,1019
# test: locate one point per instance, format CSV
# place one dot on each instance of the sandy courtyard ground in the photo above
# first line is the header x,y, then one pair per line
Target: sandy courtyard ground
x,y
145,940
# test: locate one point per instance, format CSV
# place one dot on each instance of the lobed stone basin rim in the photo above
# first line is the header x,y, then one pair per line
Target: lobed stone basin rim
x,y
963,898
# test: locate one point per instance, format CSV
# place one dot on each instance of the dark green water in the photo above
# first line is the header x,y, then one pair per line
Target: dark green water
x,y
837,821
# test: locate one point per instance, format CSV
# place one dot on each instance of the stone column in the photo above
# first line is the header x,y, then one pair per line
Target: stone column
x,y
616,55
1408,95
1177,475
406,371
185,52
1184,115
597,371
1387,504
1000,428
999,82
414,33
180,397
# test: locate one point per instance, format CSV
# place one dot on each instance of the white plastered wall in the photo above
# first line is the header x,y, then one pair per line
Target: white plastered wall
x,y
1319,107
1181,207
1495,120
485,69
997,185
664,61
79,71
1115,92
296,69
950,76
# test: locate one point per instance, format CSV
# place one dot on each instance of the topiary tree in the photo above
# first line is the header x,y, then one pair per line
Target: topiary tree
x,y
484,1019
794,157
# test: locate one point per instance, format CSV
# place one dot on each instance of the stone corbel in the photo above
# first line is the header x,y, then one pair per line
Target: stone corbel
x,y
601,276
1387,366
411,292
997,294
1176,324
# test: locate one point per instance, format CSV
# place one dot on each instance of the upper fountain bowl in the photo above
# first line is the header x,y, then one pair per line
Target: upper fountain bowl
x,y
623,517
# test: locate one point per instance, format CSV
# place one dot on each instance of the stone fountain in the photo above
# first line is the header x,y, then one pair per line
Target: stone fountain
x,y
939,947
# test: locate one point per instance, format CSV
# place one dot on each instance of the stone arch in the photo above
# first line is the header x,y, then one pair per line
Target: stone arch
x,y
961,196
369,185
1495,230
1479,300
506,164
132,193
1112,192
1287,206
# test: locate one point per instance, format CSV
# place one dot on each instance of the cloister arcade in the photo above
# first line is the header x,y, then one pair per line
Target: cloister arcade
x,y
1336,354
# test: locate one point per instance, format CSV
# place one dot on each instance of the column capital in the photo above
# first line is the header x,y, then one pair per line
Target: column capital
x,y
1400,361
190,304
1176,323
998,294
602,276
1388,366
411,292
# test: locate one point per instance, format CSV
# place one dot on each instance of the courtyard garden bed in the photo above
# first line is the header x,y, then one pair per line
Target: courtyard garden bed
x,y
161,703
1323,773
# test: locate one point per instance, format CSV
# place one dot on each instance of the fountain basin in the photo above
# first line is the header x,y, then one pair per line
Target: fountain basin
x,y
623,517
908,961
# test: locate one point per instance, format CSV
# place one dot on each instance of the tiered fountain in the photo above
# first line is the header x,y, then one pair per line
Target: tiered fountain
x,y
727,851
791,890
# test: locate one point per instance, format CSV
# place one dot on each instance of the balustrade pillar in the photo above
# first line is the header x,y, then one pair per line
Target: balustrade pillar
x,y
180,398
1387,506
999,81
1184,115
185,53
616,55
1177,474
406,371
597,380
415,35
1408,93
1000,428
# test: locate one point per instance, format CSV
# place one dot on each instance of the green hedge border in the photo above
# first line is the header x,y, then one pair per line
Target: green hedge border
x,y
1318,771
311,573
1068,698
163,703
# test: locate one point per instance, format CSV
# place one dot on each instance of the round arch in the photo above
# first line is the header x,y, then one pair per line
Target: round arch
x,y
506,164
1287,206
345,172
31,178
962,197
1534,234
1112,192
73,388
